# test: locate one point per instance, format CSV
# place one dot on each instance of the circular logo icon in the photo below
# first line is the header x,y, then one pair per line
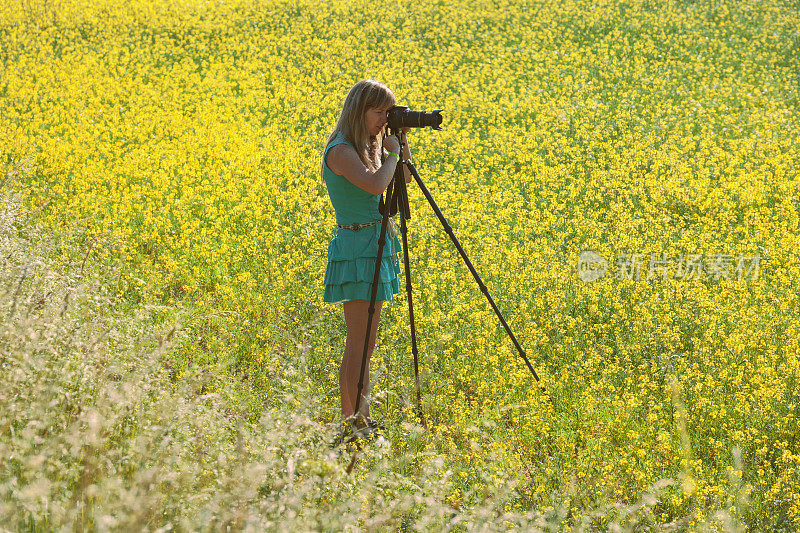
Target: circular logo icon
x,y
591,266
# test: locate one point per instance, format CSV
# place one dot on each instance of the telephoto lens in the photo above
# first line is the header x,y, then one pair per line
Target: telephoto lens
x,y
401,116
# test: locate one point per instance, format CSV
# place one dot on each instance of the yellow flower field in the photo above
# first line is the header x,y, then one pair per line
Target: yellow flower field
x,y
190,134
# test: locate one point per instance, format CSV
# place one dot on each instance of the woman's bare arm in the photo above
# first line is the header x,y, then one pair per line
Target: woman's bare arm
x,y
343,160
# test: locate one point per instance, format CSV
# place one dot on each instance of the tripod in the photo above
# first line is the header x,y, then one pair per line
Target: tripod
x,y
397,195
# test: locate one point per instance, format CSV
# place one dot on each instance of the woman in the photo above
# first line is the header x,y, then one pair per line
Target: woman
x,y
355,179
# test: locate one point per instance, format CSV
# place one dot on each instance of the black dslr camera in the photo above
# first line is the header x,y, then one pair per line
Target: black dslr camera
x,y
401,117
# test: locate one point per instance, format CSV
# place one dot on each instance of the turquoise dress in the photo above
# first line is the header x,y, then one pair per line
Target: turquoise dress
x,y
351,254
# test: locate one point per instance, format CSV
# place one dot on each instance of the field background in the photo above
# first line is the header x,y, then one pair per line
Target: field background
x,y
172,150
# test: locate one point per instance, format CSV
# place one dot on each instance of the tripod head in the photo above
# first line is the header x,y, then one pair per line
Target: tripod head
x,y
396,192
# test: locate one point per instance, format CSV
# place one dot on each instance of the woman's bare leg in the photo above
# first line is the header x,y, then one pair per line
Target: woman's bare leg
x,y
356,313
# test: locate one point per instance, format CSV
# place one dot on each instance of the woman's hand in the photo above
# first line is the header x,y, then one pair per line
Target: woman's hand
x,y
392,144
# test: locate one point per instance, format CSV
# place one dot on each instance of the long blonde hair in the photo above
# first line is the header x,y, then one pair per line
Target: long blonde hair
x,y
366,94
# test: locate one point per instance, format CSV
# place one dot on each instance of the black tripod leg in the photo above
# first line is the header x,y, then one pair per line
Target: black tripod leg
x,y
373,298
404,231
483,288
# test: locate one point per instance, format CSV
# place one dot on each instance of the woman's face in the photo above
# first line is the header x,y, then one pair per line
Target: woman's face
x,y
376,119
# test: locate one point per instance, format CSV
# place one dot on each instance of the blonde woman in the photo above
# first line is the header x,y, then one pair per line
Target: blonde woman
x,y
355,178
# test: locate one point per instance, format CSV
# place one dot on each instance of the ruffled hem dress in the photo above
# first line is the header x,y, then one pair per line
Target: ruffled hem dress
x,y
352,253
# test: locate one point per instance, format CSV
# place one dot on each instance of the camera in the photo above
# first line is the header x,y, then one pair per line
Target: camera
x,y
401,116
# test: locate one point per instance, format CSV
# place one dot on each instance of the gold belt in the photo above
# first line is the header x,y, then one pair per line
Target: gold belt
x,y
356,226
392,231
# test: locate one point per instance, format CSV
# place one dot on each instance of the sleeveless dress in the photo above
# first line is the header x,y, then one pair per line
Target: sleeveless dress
x,y
351,254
